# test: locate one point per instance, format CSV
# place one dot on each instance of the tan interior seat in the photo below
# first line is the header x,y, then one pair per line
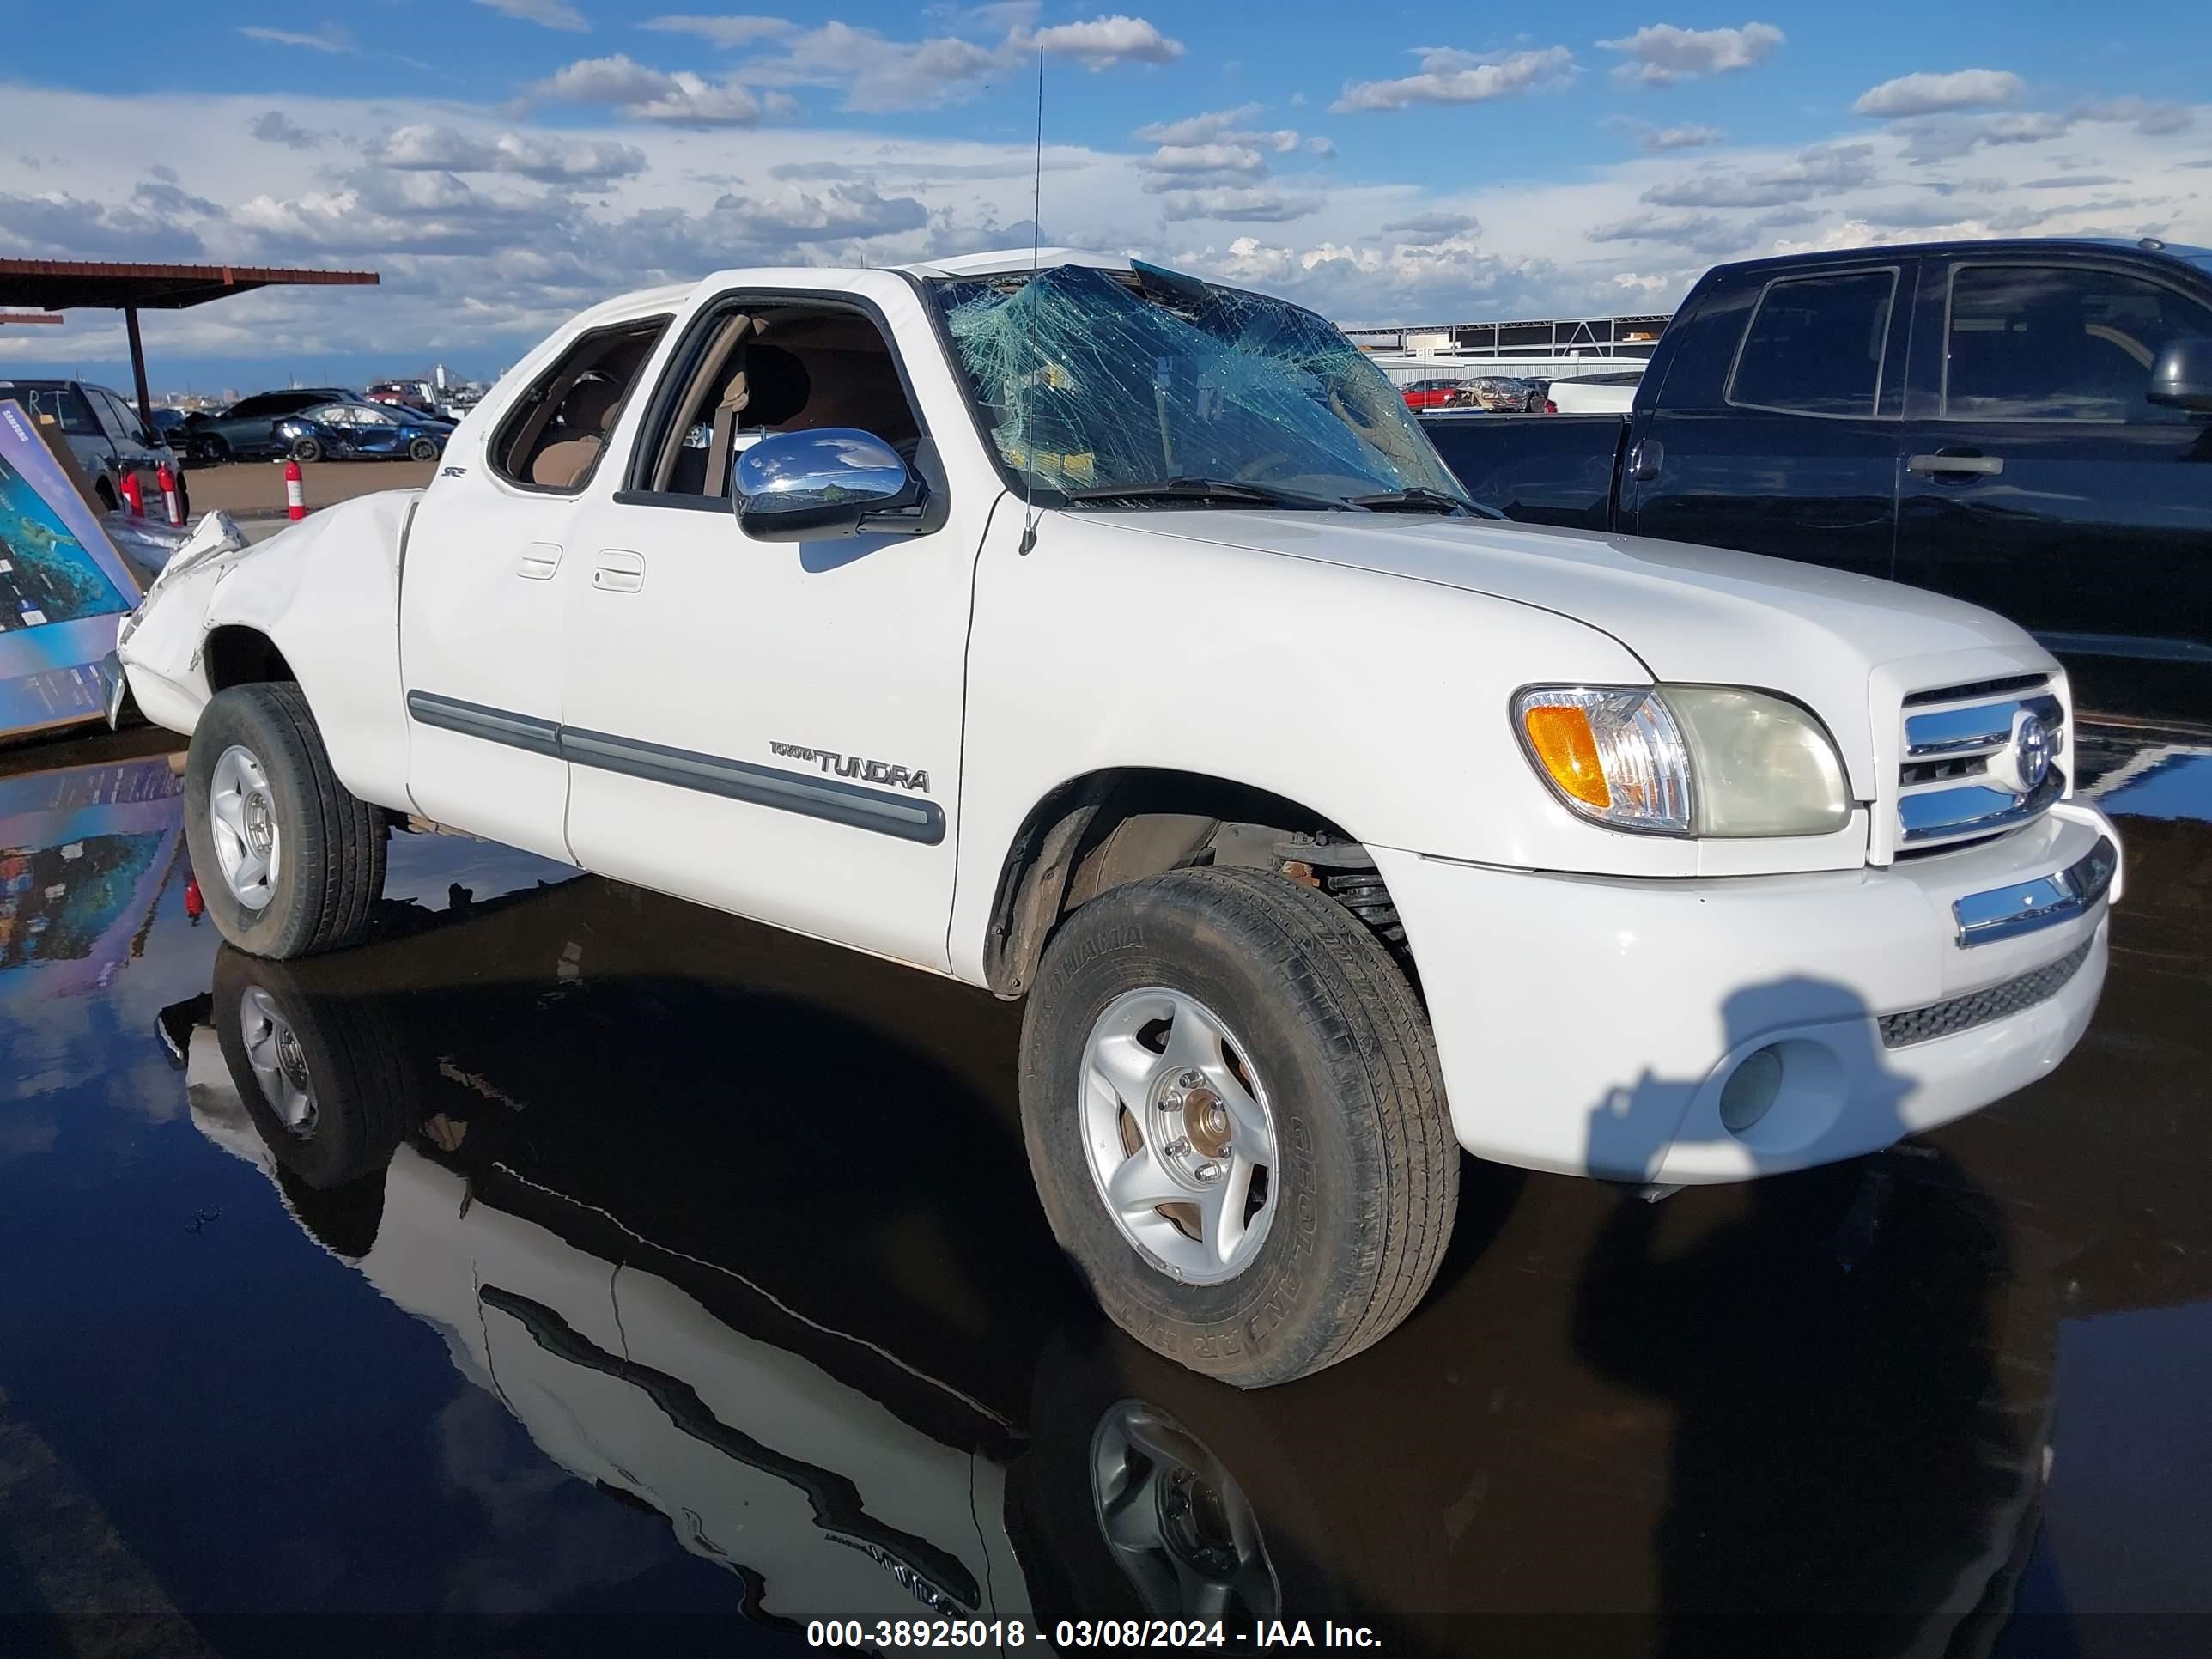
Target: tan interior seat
x,y
587,414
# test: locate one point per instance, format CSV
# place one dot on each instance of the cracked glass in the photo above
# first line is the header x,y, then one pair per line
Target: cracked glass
x,y
1088,380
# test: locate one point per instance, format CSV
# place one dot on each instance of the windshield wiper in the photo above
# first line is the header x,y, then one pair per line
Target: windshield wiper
x,y
1204,489
1418,499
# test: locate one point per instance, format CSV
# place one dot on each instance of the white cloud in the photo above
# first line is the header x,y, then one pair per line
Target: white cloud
x,y
329,38
545,157
1247,205
733,30
1451,76
1204,158
547,13
1103,42
681,99
1661,54
1820,170
1203,129
489,230
1424,227
1923,94
1659,140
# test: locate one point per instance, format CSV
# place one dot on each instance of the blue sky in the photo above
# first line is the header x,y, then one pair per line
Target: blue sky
x,y
504,162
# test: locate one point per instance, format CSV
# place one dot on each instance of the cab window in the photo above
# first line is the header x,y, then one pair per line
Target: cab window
x,y
2028,343
1814,345
552,439
753,367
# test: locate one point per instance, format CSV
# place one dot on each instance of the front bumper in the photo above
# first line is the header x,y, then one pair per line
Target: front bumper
x,y
1592,1025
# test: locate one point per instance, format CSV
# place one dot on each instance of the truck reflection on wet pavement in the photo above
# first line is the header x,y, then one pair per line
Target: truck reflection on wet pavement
x,y
572,1268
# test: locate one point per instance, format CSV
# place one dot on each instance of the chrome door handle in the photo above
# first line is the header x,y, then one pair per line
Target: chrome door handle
x,y
1983,466
618,572
539,561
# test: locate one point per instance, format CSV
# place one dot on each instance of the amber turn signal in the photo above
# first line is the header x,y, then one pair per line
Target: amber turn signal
x,y
1561,739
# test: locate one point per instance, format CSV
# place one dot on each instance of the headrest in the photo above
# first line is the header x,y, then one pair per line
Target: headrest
x,y
776,386
591,406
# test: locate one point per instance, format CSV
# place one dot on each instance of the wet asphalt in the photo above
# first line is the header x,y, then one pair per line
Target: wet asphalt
x,y
652,1282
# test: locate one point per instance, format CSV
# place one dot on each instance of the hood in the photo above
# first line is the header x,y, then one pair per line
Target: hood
x,y
1691,613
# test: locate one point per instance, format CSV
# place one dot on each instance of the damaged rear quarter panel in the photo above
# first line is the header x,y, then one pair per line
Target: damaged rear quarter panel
x,y
327,592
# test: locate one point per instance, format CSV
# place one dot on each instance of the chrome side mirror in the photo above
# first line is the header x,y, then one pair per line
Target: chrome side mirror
x,y
812,486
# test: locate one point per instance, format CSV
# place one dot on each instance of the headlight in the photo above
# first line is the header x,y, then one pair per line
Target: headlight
x,y
1702,760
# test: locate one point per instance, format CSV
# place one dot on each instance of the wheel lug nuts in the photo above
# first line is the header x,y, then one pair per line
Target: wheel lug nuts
x,y
1208,1171
1177,1147
1191,1079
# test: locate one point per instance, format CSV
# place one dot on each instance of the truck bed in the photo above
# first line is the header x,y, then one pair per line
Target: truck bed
x,y
1538,469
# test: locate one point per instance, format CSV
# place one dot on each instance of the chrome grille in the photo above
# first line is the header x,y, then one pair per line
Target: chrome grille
x,y
1943,1019
1957,776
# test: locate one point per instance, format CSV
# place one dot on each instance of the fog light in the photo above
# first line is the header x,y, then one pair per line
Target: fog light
x,y
1751,1089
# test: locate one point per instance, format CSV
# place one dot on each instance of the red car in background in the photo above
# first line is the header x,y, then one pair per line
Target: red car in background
x,y
1434,394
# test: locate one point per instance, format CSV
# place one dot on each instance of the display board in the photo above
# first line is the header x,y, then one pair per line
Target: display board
x,y
63,589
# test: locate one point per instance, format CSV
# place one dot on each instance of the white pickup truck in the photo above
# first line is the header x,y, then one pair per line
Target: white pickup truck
x,y
1101,636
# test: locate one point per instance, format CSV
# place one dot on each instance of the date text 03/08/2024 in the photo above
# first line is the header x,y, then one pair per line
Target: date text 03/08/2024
x,y
1070,1635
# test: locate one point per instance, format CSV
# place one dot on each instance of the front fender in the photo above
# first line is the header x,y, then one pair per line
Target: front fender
x,y
325,592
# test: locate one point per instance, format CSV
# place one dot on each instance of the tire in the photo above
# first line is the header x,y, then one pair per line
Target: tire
x,y
214,450
106,491
306,449
316,1070
421,450
322,851
1363,1176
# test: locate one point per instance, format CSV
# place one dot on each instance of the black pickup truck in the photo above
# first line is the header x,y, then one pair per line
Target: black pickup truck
x,y
2024,424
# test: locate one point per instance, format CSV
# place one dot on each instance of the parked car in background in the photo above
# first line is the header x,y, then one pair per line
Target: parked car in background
x,y
403,394
363,431
1595,394
105,435
248,429
1498,394
2024,424
1433,394
1538,401
1274,987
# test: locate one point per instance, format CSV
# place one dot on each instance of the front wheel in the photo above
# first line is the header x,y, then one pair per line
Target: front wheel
x,y
306,449
422,450
1235,1118
289,861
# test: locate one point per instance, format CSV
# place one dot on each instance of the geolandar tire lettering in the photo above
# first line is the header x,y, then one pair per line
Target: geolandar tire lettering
x,y
318,890
1341,1092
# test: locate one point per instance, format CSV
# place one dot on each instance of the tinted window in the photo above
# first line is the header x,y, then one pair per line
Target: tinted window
x,y
1815,344
264,403
62,403
2050,344
122,419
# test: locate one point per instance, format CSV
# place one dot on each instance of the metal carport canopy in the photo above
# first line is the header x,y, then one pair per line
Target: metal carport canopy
x,y
63,284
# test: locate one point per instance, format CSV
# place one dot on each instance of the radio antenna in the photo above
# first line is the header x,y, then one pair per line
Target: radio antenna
x,y
1037,239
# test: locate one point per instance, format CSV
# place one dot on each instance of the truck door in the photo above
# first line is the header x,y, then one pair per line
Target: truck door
x,y
1776,427
2041,482
774,727
480,604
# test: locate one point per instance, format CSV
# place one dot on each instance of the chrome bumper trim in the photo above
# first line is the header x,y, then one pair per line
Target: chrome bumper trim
x,y
2026,907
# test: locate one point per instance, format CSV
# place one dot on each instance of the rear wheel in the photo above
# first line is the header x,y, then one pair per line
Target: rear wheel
x,y
1236,1119
289,861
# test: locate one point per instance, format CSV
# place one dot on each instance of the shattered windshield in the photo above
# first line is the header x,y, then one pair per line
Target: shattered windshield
x,y
1089,384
